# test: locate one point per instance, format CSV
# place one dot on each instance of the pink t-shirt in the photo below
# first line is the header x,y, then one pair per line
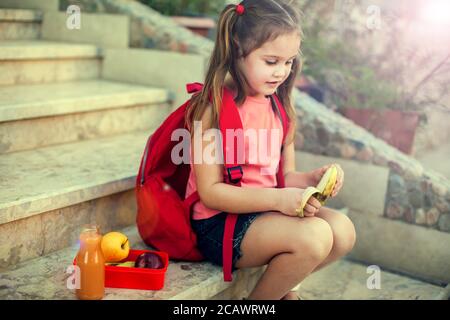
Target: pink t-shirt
x,y
260,167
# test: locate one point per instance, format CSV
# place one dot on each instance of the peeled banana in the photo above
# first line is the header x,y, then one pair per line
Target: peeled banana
x,y
322,191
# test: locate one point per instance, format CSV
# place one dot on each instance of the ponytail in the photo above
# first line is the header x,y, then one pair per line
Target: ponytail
x,y
220,63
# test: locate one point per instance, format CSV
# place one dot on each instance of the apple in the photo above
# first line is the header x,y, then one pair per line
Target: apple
x,y
115,246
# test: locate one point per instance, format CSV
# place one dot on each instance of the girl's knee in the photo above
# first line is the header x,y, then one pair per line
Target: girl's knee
x,y
344,235
317,242
324,242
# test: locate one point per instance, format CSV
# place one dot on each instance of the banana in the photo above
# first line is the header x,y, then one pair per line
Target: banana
x,y
309,192
327,184
322,191
129,264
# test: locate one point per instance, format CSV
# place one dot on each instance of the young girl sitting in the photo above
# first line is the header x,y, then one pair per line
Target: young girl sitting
x,y
257,54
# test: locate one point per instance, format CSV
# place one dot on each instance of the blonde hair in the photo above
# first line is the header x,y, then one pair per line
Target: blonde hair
x,y
238,36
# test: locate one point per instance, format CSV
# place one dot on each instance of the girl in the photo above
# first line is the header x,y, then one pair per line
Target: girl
x,y
256,54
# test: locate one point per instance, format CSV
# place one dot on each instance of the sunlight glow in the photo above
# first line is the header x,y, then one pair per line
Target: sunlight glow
x,y
436,12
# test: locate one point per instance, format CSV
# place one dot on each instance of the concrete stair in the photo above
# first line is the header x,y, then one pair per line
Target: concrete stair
x,y
36,61
16,24
348,280
49,193
46,278
40,115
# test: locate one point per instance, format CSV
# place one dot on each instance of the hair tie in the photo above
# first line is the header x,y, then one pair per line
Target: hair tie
x,y
240,9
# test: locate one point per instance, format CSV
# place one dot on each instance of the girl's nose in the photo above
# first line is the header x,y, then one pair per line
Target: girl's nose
x,y
280,72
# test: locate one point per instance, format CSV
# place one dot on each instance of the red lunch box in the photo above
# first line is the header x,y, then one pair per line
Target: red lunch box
x,y
136,278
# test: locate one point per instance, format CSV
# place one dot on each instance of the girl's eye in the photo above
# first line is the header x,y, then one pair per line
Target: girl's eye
x,y
270,63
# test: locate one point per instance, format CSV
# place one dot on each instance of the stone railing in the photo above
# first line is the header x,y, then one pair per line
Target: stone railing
x,y
415,195
149,29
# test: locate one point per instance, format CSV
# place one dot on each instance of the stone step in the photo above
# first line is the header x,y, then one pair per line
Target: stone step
x,y
31,61
348,280
46,278
40,115
16,24
401,247
48,193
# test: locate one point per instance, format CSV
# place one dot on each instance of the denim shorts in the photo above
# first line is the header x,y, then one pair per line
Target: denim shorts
x,y
210,236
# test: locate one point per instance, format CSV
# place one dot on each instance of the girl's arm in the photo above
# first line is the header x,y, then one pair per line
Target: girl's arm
x,y
293,178
228,198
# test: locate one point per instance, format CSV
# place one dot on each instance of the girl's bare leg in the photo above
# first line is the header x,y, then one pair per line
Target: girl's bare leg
x,y
344,238
291,247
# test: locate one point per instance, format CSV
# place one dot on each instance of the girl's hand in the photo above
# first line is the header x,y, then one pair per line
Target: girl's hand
x,y
290,199
317,174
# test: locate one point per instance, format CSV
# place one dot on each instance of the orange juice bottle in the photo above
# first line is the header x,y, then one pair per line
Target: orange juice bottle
x,y
91,265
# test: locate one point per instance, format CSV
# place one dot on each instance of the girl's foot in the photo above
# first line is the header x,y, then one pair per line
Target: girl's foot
x,y
291,295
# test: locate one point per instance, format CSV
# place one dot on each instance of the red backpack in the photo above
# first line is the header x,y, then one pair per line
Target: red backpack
x,y
163,217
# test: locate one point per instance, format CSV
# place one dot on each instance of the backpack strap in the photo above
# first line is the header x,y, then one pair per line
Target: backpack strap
x,y
194,197
229,119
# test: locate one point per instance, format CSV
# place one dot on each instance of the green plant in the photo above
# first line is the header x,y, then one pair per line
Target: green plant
x,y
341,60
187,7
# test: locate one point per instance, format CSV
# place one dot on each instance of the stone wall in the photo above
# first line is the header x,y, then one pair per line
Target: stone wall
x,y
149,29
415,195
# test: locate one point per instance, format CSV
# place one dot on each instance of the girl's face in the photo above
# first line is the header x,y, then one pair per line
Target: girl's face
x,y
267,67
